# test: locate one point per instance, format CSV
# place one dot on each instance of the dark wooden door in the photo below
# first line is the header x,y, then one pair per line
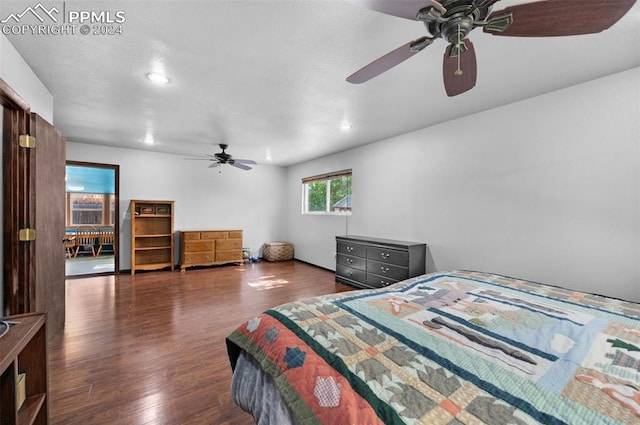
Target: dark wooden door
x,y
50,153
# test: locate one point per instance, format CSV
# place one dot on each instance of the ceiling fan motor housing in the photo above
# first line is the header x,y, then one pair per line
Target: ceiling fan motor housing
x,y
460,18
223,157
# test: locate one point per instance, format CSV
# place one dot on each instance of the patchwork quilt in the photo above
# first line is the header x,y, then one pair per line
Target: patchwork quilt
x,y
452,348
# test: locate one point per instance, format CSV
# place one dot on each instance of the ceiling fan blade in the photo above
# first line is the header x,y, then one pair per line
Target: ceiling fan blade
x,y
198,159
388,61
245,161
239,165
404,9
215,164
459,79
551,18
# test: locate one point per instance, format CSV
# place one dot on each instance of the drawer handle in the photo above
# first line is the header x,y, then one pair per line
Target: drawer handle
x,y
384,269
384,255
349,273
349,248
349,260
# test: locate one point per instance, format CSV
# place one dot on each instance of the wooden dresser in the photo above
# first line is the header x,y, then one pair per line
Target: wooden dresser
x,y
373,262
210,247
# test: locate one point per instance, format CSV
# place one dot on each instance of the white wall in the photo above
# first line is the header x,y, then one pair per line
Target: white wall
x,y
547,189
19,76
252,201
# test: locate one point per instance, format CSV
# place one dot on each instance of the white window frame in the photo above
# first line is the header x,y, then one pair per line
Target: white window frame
x,y
326,178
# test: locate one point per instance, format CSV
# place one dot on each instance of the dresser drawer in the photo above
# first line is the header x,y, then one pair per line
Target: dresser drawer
x,y
190,236
235,235
350,273
198,258
198,246
376,281
354,249
387,270
222,256
228,244
386,255
214,235
349,261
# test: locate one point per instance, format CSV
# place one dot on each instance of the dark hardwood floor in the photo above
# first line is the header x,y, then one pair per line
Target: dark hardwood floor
x,y
150,349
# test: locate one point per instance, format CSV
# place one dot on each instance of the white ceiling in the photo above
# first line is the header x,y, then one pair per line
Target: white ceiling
x,y
268,77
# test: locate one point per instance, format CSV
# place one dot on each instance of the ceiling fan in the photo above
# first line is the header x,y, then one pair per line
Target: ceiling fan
x,y
220,158
453,20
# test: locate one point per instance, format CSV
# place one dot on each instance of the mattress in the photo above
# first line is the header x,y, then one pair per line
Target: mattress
x,y
444,348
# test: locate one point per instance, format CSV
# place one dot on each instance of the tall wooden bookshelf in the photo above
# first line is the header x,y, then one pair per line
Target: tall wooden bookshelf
x,y
152,239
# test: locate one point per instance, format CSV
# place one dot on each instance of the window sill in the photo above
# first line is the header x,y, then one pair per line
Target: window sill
x,y
339,214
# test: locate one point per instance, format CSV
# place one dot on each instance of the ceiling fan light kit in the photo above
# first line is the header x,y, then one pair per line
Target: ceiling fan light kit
x,y
453,20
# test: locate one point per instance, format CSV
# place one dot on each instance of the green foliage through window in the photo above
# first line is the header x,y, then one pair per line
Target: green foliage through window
x,y
317,196
341,194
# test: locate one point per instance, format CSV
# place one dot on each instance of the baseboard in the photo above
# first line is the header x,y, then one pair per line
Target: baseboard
x,y
128,271
314,265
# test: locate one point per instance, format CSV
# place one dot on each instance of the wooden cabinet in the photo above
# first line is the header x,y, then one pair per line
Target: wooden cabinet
x,y
152,239
210,247
373,262
23,356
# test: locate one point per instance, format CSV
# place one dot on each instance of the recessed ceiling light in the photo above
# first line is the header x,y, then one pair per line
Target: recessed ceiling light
x,y
149,139
158,78
345,126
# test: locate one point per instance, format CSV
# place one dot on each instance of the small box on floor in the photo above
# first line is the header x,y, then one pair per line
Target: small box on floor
x,y
277,251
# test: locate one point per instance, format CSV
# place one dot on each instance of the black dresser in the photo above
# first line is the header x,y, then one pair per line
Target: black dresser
x,y
373,263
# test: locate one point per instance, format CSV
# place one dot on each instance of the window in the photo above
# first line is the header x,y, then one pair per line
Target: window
x,y
90,208
327,193
86,208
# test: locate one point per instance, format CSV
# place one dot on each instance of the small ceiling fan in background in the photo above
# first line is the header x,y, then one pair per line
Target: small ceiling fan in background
x,y
453,20
220,158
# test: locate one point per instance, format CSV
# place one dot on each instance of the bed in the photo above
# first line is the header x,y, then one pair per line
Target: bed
x,y
445,348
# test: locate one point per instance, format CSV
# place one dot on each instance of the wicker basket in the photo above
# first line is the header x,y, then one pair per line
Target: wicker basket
x,y
277,251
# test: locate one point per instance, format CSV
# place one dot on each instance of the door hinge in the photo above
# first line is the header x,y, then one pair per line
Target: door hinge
x,y
27,141
27,235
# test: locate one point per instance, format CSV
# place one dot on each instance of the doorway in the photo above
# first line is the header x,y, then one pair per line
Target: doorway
x,y
91,219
